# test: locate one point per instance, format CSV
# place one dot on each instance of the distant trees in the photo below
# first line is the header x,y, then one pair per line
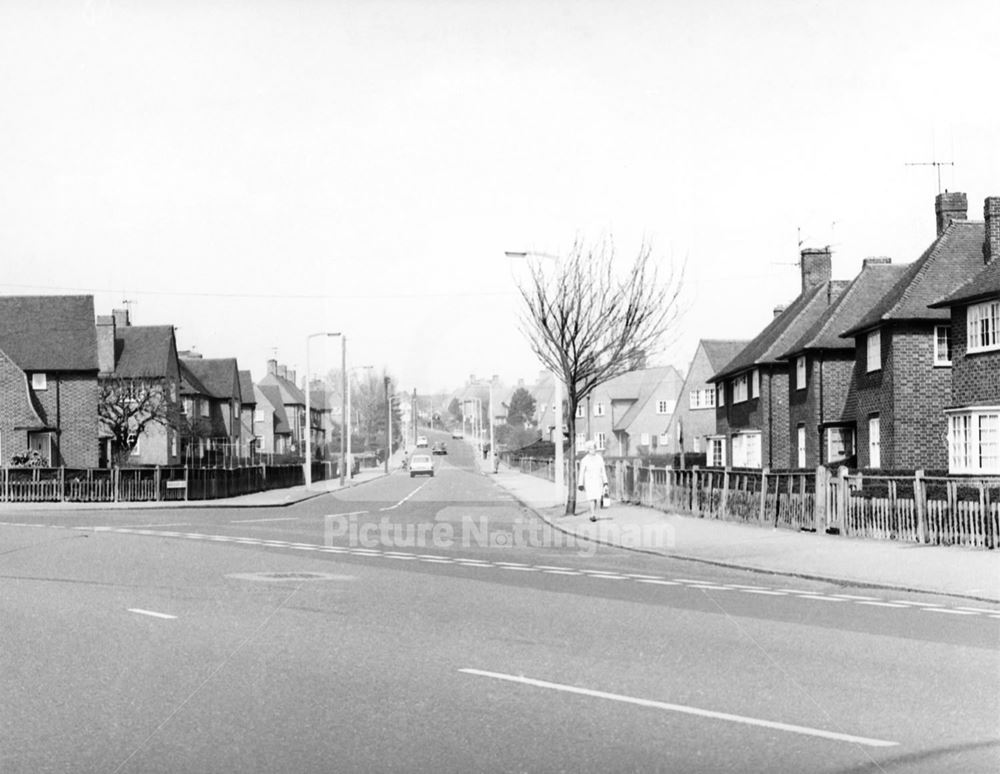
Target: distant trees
x,y
588,324
521,411
455,409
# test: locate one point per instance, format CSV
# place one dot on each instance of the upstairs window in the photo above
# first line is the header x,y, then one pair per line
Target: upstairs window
x,y
203,407
664,406
800,373
942,345
755,383
720,394
598,409
874,352
983,322
39,382
581,411
740,388
700,399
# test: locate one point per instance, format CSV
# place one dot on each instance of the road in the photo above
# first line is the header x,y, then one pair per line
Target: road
x,y
319,638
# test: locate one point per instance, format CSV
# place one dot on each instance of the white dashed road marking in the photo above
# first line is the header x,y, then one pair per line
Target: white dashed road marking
x,y
151,613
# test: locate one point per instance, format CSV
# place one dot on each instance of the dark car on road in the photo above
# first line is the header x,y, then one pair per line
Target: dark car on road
x,y
439,448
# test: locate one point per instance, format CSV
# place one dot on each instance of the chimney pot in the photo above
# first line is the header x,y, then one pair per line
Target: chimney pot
x,y
991,214
949,206
283,371
877,260
816,267
272,367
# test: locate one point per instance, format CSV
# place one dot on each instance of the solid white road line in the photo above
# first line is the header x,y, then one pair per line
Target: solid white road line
x,y
393,507
855,596
256,521
806,730
821,598
978,609
657,582
140,611
763,591
946,610
880,604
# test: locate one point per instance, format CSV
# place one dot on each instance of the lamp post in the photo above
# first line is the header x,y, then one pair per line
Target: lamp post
x,y
560,484
308,469
350,454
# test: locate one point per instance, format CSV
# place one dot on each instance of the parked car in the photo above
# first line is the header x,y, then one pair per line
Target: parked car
x,y
421,441
456,434
421,464
439,448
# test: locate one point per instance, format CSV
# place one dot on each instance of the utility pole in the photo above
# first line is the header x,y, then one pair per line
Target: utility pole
x,y
413,413
388,425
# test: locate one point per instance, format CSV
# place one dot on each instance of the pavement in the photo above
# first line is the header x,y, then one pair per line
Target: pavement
x,y
962,572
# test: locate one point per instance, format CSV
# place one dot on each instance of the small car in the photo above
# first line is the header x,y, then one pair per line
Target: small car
x,y
439,448
422,441
421,464
456,434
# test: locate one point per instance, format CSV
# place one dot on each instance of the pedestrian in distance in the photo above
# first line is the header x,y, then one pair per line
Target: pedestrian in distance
x,y
592,477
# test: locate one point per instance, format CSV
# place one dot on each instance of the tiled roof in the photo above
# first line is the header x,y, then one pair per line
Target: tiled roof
x,y
143,351
217,375
49,333
20,409
785,329
867,289
983,285
246,389
650,379
290,394
950,261
721,351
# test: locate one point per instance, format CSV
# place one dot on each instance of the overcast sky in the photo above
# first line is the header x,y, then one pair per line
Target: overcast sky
x,y
253,172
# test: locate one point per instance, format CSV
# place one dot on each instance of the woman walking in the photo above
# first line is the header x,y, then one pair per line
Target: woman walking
x,y
592,477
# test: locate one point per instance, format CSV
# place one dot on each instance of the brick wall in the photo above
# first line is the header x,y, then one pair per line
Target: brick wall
x,y
921,392
976,377
70,403
802,410
872,395
775,447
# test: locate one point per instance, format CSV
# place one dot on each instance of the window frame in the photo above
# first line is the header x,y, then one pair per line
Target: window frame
x,y
800,372
974,319
875,441
938,359
599,409
720,395
873,351
601,440
849,444
716,443
972,459
800,444
39,381
755,384
741,388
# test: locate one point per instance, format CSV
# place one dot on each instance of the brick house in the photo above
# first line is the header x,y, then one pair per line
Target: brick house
x,y
751,405
210,393
48,379
144,357
821,365
270,424
902,372
292,399
973,415
629,414
693,420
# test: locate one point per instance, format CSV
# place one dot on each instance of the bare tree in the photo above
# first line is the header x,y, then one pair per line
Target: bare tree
x,y
588,324
126,407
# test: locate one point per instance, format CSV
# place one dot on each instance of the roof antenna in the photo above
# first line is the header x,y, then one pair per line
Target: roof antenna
x,y
937,164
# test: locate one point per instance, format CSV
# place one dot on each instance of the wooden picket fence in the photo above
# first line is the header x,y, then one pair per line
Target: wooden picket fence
x,y
947,510
34,485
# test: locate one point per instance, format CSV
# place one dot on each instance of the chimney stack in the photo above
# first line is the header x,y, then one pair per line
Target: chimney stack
x,y
949,206
272,367
121,318
991,214
291,376
105,343
283,371
816,267
876,260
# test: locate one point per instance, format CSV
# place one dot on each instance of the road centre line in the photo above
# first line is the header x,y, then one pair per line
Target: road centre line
x,y
255,521
763,591
946,610
393,507
140,611
978,610
855,596
880,604
822,598
562,572
687,710
657,582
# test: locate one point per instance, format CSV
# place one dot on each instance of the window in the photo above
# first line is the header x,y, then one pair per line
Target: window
x,y
203,407
717,452
581,439
599,410
173,444
740,388
581,411
187,407
665,406
601,441
802,446
644,439
942,345
874,443
800,373
664,439
984,326
839,444
697,445
755,383
39,382
746,450
700,399
974,441
258,415
874,354
720,394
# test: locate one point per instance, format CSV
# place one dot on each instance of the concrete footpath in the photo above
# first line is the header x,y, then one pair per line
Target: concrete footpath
x,y
961,572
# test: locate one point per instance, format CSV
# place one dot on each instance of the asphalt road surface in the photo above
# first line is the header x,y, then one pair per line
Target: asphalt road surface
x,y
430,624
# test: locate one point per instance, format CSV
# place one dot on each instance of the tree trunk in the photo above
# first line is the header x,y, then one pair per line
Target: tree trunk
x,y
571,457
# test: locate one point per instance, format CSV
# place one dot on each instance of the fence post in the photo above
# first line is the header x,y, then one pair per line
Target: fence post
x,y
114,483
821,494
763,494
156,482
187,483
724,504
62,483
843,494
695,505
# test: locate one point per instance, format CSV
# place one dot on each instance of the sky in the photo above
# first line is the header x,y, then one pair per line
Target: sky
x,y
253,172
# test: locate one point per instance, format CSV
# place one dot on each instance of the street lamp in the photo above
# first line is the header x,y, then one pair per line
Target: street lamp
x,y
350,453
308,470
557,382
